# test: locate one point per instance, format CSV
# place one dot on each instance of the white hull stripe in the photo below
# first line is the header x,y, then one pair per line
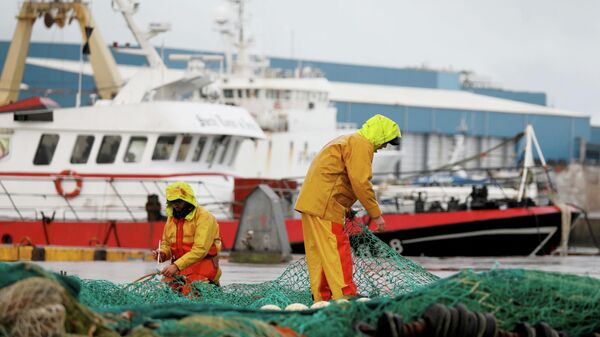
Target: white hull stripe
x,y
501,231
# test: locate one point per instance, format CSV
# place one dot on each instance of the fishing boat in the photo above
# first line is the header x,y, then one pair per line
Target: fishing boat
x,y
96,175
78,171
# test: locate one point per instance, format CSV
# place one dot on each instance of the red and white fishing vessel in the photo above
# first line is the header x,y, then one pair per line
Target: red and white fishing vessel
x,y
96,175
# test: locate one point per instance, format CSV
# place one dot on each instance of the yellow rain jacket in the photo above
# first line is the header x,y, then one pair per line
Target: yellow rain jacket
x,y
199,238
341,172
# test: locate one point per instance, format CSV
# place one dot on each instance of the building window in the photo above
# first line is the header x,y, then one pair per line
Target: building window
x,y
45,150
199,148
164,147
228,93
184,148
108,149
135,149
82,149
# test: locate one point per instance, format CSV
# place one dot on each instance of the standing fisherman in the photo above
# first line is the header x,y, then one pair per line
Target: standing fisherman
x,y
338,176
190,240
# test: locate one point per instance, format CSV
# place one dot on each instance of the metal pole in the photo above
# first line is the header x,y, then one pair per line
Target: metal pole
x,y
71,208
11,200
110,182
80,77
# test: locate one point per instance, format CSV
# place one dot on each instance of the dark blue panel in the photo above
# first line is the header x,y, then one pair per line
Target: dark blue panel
x,y
538,98
450,81
595,135
420,119
499,124
477,123
338,72
554,135
559,135
358,113
581,131
448,121
59,85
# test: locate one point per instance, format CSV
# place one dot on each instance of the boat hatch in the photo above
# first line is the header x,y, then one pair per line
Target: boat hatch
x,y
34,109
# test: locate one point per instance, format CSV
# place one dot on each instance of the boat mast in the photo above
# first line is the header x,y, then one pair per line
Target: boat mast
x,y
528,161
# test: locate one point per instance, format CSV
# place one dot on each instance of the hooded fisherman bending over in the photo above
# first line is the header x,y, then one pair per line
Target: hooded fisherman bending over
x,y
190,240
338,176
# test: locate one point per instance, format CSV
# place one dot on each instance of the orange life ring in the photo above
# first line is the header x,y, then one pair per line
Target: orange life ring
x,y
58,184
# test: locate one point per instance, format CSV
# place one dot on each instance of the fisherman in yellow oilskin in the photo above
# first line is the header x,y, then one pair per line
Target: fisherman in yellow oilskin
x,y
190,240
338,176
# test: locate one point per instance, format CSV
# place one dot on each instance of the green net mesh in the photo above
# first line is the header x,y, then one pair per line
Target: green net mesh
x,y
394,284
378,272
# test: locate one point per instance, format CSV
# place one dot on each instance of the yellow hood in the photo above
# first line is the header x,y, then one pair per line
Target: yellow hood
x,y
183,191
379,130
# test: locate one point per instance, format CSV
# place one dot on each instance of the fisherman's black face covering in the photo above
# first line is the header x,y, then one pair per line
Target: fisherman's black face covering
x,y
184,212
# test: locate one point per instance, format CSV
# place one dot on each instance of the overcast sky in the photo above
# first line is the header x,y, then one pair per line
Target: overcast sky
x,y
551,46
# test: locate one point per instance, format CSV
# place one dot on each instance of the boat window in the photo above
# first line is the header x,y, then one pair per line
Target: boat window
x,y
184,148
213,149
82,149
199,148
236,147
228,93
225,144
45,150
108,149
4,145
164,147
135,149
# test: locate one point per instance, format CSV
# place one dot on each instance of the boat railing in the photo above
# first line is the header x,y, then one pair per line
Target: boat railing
x,y
101,198
130,199
451,189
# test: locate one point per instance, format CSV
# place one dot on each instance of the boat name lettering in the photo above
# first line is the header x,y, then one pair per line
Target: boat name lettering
x,y
216,120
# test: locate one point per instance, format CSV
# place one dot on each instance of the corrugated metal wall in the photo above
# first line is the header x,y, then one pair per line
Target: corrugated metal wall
x,y
556,134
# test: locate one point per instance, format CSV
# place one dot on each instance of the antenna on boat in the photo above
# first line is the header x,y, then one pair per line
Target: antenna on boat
x,y
231,21
128,8
528,162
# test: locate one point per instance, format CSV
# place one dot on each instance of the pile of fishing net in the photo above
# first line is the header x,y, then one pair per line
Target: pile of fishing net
x,y
404,300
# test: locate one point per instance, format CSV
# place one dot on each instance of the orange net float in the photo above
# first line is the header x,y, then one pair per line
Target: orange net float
x,y
58,184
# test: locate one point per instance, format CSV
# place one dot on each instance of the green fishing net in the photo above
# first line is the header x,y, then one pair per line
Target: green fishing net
x,y
393,284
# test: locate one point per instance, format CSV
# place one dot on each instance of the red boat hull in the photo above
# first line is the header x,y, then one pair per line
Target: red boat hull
x,y
515,231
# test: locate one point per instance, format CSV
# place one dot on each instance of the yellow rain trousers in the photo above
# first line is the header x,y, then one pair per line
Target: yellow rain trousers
x,y
328,258
339,175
